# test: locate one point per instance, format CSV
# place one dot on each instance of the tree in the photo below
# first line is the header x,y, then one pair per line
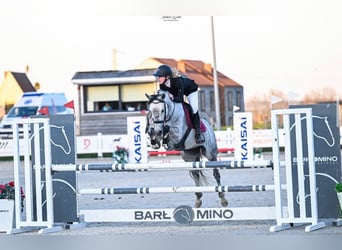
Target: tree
x,y
260,106
320,95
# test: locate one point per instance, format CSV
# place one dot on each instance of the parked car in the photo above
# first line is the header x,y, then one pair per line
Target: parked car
x,y
33,104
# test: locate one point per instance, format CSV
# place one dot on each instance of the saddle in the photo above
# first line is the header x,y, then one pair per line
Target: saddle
x,y
188,114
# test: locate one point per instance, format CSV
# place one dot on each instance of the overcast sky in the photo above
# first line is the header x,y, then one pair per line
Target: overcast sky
x,y
293,47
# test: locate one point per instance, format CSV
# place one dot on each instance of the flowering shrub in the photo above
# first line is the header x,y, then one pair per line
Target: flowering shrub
x,y
7,191
120,155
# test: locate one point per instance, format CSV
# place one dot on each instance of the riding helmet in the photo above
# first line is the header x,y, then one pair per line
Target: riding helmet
x,y
163,70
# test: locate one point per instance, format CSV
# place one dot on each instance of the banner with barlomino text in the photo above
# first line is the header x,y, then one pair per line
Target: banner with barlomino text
x,y
137,142
243,136
326,134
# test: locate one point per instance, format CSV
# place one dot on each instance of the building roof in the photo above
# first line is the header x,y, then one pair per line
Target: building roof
x,y
113,76
23,82
200,72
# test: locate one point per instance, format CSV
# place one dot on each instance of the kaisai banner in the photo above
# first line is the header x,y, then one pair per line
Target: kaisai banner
x,y
243,136
137,144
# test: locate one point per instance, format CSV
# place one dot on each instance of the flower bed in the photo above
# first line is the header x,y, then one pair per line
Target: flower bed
x,y
120,155
7,191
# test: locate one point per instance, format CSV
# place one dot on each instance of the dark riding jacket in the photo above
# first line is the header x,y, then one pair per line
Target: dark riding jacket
x,y
180,86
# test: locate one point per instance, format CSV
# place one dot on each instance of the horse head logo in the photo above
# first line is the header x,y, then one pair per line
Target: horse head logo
x,y
58,132
321,129
184,214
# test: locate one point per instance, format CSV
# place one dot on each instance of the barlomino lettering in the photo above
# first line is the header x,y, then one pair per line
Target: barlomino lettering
x,y
151,215
214,214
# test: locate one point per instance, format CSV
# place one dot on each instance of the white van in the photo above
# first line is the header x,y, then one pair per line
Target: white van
x,y
30,104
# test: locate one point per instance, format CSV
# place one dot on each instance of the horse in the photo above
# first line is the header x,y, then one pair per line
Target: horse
x,y
169,123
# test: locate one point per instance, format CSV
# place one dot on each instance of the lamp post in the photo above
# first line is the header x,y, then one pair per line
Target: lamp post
x,y
216,90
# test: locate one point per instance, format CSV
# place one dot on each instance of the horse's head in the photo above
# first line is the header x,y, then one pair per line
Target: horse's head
x,y
167,120
156,114
156,118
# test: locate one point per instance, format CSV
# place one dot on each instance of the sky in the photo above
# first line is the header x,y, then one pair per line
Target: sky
x,y
291,46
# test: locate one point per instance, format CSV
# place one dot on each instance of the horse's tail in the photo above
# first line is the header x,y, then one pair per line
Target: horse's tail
x,y
199,177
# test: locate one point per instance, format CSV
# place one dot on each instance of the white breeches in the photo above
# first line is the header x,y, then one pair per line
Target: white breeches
x,y
193,101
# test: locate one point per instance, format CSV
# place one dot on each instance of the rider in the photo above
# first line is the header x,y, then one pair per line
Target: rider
x,y
179,86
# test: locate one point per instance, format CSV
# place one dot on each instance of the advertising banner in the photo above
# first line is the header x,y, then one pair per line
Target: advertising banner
x,y
327,156
63,147
137,142
243,134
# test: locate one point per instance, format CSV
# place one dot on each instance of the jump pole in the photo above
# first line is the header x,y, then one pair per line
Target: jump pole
x,y
118,167
163,190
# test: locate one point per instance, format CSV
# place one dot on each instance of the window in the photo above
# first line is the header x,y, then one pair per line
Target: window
x,y
125,97
202,100
133,96
230,100
106,106
97,96
212,101
238,99
230,121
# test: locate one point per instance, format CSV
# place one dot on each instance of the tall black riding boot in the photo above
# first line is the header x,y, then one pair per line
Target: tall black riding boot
x,y
198,134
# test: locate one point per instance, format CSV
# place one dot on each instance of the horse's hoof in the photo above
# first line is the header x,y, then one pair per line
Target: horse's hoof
x,y
198,203
224,202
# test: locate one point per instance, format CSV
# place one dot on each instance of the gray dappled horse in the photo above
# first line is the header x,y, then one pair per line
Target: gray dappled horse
x,y
169,123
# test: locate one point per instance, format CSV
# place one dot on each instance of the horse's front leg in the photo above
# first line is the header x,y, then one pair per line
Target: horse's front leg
x,y
221,195
195,174
155,143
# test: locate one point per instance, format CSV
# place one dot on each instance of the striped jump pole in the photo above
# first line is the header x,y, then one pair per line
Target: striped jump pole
x,y
157,190
119,167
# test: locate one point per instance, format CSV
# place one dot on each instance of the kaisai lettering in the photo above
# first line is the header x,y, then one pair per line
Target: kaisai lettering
x,y
244,138
137,142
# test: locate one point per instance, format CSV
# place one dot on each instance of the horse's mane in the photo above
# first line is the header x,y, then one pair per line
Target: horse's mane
x,y
158,97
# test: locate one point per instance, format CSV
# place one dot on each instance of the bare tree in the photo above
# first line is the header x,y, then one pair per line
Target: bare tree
x,y
261,106
320,95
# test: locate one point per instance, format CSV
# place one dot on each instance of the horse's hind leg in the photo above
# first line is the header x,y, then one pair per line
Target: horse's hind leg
x,y
198,201
217,176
